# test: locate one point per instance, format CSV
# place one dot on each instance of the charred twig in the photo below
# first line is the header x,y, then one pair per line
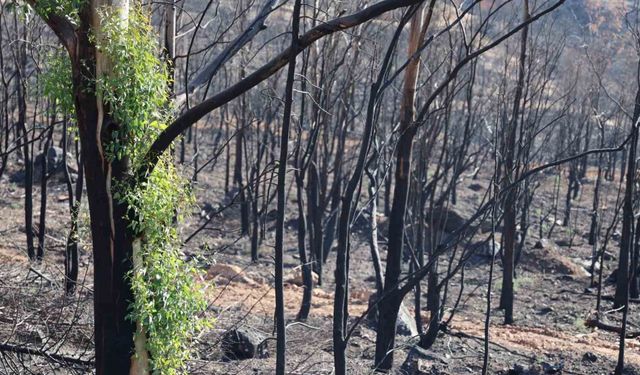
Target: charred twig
x,y
611,298
42,276
55,357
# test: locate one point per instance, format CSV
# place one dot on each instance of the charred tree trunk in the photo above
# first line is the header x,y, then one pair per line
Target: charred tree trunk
x,y
75,198
595,217
626,241
115,352
510,200
570,189
336,191
340,307
433,304
281,193
21,90
44,177
373,222
634,286
227,160
237,171
307,280
316,221
387,192
386,332
255,211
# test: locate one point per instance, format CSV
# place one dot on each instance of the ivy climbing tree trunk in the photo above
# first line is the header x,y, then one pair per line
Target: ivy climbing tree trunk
x,y
112,244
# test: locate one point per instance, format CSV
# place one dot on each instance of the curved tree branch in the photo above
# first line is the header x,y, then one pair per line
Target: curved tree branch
x,y
194,114
61,26
231,50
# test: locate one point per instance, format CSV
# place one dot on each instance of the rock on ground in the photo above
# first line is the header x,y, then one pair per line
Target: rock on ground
x,y
295,277
405,325
55,166
244,343
225,273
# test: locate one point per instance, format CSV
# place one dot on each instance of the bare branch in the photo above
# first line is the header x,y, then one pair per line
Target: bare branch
x,y
232,49
194,114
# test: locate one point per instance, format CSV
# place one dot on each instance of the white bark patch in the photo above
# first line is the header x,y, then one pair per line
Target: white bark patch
x,y
140,359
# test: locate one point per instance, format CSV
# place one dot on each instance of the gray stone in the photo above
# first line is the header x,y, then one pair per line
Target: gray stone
x,y
445,219
244,343
552,368
545,310
589,357
542,243
405,324
422,362
55,167
55,163
518,369
486,248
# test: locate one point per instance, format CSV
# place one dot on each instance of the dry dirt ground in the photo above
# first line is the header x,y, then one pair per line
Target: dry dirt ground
x,y
553,300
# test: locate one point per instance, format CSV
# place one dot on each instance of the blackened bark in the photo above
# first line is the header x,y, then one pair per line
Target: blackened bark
x,y
373,222
237,171
388,310
75,198
43,194
255,211
227,165
595,209
634,287
307,280
385,339
281,205
315,213
510,201
335,193
433,303
626,242
570,188
340,306
111,244
21,89
387,192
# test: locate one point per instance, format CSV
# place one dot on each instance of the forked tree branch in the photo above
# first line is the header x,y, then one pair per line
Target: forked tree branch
x,y
231,50
61,26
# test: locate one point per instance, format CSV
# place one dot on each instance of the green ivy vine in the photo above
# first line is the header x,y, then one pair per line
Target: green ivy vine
x,y
56,82
168,302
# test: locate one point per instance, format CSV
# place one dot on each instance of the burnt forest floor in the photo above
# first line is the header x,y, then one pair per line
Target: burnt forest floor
x,y
553,299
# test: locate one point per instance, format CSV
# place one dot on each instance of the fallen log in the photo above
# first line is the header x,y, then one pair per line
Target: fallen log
x,y
595,323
